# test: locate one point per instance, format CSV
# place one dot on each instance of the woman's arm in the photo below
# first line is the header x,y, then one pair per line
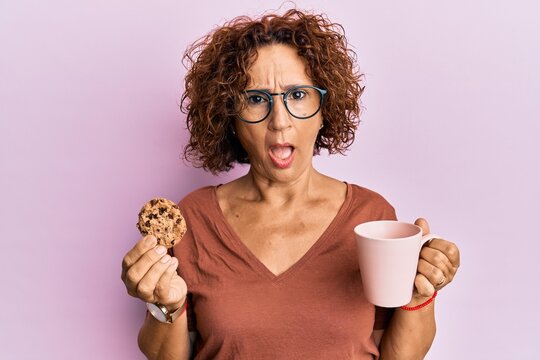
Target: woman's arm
x,y
165,341
409,334
150,274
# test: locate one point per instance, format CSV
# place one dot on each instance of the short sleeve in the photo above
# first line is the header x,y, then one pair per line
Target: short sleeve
x,y
389,213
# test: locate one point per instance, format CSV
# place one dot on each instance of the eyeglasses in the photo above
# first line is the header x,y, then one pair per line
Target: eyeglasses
x,y
302,102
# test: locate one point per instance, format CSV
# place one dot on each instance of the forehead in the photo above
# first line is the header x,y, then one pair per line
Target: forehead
x,y
278,65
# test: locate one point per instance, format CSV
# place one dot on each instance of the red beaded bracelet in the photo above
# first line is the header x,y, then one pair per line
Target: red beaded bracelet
x,y
412,308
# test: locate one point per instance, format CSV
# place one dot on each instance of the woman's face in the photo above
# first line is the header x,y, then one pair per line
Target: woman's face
x,y
280,148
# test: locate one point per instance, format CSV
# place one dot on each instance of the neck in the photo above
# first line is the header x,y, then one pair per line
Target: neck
x,y
281,192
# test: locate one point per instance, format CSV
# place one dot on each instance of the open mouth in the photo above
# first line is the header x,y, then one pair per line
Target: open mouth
x,y
282,155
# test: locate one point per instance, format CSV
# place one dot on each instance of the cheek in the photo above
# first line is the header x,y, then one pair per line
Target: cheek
x,y
308,136
252,139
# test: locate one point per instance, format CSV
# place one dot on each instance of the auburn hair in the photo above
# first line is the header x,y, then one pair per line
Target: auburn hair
x,y
217,75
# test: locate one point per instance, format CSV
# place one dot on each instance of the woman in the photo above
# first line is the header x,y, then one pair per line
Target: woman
x,y
268,267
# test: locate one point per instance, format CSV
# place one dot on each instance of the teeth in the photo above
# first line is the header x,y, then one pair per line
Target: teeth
x,y
282,152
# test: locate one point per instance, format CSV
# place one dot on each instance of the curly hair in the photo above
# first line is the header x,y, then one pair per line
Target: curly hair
x,y
217,75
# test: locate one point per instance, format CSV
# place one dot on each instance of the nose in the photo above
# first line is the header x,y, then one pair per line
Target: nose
x,y
279,117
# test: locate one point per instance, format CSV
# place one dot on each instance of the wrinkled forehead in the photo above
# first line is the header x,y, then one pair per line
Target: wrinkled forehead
x,y
277,66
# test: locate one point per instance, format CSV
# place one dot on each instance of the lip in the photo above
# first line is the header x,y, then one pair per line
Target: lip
x,y
282,163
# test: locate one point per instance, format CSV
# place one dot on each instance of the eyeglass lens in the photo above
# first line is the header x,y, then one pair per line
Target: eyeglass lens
x,y
301,102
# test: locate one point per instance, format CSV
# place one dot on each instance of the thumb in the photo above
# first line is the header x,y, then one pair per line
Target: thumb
x,y
423,224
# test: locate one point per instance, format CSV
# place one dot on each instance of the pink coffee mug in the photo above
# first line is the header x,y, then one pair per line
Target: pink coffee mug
x,y
388,253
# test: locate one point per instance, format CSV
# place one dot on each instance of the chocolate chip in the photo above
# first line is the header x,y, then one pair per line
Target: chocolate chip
x,y
162,210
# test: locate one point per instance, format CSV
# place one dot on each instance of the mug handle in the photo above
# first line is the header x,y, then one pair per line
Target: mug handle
x,y
429,237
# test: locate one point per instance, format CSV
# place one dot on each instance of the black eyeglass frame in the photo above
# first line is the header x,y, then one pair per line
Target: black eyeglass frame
x,y
284,95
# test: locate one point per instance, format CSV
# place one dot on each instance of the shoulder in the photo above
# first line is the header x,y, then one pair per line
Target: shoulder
x,y
360,193
197,199
377,204
200,212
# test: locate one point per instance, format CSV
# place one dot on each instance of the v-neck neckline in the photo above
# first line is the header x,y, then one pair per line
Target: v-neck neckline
x,y
258,264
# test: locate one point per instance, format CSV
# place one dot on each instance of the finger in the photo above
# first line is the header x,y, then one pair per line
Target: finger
x,y
435,275
423,224
449,249
138,270
437,259
147,285
423,286
140,248
163,286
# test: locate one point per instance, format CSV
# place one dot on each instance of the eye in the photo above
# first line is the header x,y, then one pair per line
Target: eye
x,y
297,94
256,99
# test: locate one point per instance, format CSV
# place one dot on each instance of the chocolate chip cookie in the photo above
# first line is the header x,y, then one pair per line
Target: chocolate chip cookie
x,y
162,218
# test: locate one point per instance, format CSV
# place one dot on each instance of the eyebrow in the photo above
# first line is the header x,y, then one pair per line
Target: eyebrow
x,y
285,88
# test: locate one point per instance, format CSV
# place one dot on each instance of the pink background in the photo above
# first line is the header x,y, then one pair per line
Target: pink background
x,y
90,130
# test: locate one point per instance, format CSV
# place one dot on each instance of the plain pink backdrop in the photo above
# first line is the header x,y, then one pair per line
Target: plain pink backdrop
x,y
91,129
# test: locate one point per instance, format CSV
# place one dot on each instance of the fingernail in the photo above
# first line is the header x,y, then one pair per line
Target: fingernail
x,y
151,240
161,250
165,259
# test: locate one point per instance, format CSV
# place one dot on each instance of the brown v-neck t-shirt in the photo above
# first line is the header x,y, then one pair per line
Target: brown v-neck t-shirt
x,y
316,309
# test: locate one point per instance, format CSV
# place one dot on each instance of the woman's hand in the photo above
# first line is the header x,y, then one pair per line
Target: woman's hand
x,y
438,264
149,274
